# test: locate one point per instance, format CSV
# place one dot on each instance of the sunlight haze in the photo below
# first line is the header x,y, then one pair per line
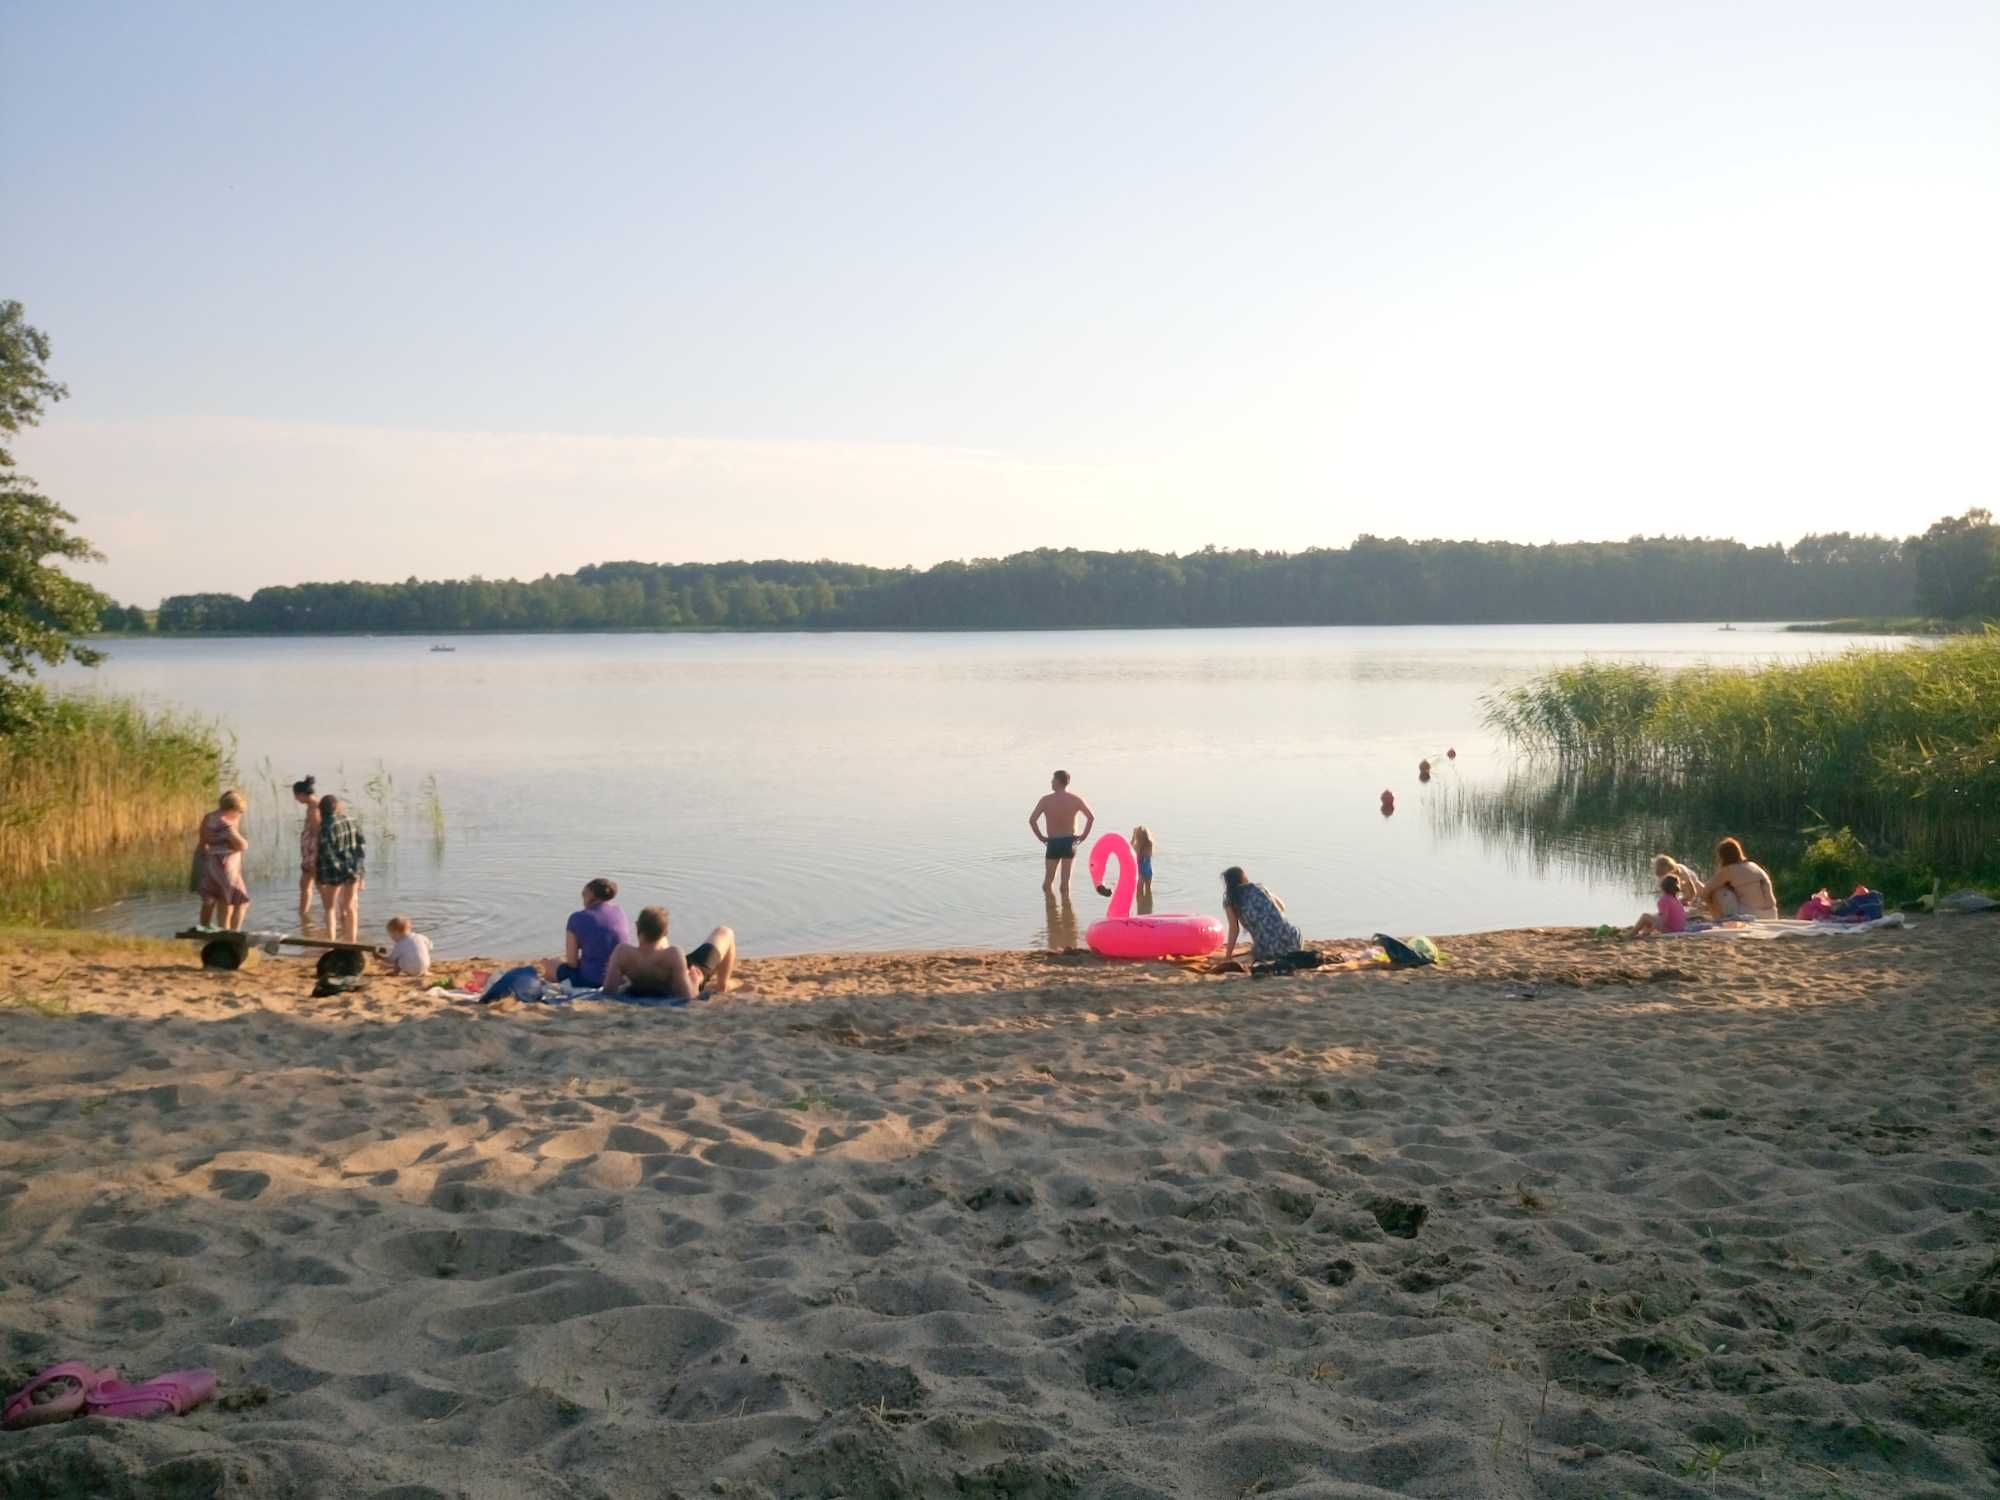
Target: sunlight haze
x,y
375,290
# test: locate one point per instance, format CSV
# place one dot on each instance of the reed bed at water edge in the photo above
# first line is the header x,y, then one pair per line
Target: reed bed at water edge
x,y
88,783
1903,745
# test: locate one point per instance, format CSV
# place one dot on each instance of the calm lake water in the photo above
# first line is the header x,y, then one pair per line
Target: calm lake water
x,y
872,791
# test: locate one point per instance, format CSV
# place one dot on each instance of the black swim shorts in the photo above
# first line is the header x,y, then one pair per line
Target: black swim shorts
x,y
1063,846
702,956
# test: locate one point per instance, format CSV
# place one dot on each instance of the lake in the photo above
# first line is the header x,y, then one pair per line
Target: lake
x,y
823,792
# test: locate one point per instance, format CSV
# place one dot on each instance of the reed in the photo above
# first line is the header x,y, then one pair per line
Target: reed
x,y
1902,746
97,796
433,803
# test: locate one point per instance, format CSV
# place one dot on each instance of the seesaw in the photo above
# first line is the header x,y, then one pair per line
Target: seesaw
x,y
228,950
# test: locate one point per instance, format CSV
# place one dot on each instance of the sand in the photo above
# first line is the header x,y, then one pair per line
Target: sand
x,y
1569,1218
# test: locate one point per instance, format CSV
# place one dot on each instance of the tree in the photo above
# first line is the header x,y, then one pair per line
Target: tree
x,y
1957,563
42,609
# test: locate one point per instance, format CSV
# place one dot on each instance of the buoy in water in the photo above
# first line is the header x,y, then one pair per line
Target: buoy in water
x,y
1451,755
1388,803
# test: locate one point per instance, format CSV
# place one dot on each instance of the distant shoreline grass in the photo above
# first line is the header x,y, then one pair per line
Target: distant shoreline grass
x,y
99,797
1899,625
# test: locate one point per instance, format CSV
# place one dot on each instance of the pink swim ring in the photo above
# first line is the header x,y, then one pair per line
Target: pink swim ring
x,y
1122,935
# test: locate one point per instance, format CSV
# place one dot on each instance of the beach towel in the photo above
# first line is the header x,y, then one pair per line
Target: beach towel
x,y
1785,929
532,990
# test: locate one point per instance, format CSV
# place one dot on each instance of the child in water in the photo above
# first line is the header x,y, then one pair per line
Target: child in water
x,y
1142,850
1672,916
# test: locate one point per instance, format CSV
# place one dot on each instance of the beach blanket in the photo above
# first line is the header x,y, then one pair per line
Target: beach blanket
x,y
553,996
1785,929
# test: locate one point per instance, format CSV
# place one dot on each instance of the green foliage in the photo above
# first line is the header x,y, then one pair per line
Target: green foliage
x,y
1373,582
42,608
25,387
1957,565
1902,745
114,618
98,796
1836,860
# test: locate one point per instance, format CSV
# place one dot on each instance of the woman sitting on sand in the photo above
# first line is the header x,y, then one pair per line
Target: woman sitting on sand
x,y
1252,909
591,937
1740,888
225,899
651,969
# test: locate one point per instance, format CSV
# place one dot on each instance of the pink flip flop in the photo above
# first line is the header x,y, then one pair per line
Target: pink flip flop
x,y
38,1401
167,1395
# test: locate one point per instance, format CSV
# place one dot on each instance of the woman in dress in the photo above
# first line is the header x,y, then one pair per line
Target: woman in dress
x,y
225,899
340,863
302,791
1252,909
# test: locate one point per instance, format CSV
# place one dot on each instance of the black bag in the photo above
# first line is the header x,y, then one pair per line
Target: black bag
x,y
1401,955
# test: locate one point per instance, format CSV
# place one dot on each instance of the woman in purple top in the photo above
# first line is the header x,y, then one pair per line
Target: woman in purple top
x,y
592,937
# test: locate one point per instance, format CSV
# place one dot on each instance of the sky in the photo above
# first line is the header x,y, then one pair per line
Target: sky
x,y
382,290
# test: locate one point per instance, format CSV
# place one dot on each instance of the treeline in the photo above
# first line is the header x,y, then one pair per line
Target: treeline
x,y
1375,581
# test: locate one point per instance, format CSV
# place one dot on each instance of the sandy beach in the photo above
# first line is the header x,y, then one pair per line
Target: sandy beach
x,y
1566,1218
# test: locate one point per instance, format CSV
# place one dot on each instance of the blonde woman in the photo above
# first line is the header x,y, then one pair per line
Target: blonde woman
x,y
225,899
1691,884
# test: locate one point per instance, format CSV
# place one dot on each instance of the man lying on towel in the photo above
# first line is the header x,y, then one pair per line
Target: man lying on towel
x,y
652,970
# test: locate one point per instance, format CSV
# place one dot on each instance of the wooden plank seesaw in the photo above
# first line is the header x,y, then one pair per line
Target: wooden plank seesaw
x,y
222,949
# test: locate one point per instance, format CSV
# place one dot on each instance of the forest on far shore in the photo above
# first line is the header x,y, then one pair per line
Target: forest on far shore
x,y
1952,571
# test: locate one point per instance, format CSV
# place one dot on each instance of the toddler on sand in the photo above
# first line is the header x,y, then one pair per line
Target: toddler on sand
x,y
407,952
1671,917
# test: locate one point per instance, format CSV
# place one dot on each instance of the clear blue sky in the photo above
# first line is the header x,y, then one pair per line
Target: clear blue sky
x,y
372,290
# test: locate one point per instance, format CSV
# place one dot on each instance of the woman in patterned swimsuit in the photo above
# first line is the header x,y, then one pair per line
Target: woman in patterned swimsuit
x,y
1252,909
302,791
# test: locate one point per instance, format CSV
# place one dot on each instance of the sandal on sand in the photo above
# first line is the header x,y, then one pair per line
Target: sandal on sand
x,y
168,1395
55,1395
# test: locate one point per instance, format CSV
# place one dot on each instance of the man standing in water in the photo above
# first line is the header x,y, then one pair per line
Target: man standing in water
x,y
1057,814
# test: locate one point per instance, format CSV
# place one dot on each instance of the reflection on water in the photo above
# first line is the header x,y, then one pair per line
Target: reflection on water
x,y
1059,919
872,791
1556,823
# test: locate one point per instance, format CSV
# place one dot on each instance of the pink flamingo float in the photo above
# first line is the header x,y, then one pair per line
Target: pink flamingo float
x,y
1122,935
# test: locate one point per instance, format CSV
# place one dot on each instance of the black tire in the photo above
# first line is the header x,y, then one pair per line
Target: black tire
x,y
224,953
340,963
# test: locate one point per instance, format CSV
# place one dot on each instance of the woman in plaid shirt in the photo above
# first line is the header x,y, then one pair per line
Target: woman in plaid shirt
x,y
340,859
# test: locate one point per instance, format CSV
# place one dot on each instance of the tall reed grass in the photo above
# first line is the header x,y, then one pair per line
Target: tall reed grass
x,y
1902,745
99,795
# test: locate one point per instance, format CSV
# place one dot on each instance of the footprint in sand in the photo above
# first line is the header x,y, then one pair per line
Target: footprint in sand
x,y
142,1239
537,1297
237,1186
464,1254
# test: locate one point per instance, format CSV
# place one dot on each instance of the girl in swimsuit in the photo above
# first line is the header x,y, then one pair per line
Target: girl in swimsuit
x,y
1142,850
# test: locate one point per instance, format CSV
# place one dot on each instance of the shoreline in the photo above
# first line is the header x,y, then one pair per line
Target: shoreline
x,y
1565,1217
